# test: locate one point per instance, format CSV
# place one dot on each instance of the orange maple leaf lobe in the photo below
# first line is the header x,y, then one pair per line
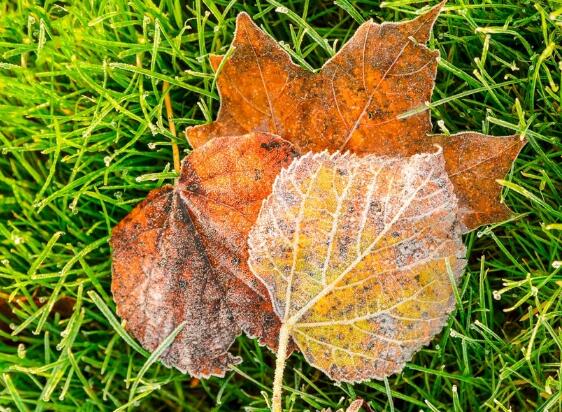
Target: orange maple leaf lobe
x,y
382,72
474,162
257,85
180,255
356,254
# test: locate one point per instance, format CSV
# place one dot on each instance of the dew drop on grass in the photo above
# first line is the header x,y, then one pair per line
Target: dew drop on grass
x,y
21,351
107,161
442,127
497,295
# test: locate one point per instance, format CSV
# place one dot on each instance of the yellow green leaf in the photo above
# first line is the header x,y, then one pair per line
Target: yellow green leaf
x,y
356,254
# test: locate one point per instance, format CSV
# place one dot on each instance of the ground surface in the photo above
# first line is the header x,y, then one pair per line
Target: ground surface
x,y
82,139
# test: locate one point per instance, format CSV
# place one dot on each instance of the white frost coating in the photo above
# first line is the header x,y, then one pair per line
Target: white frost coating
x,y
354,252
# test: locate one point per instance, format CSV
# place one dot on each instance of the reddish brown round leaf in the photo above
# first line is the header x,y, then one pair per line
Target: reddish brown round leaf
x,y
181,255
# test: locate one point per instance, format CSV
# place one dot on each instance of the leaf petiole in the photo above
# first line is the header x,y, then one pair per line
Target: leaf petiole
x,y
284,334
171,125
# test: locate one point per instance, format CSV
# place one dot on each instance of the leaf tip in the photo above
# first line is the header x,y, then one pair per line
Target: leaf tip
x,y
197,135
435,11
244,20
215,60
188,135
426,22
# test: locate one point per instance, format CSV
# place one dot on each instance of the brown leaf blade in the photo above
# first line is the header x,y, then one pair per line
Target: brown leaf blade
x,y
354,252
181,255
260,88
382,72
474,162
356,102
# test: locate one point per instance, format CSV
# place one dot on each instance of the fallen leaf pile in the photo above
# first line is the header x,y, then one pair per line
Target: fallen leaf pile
x,y
357,240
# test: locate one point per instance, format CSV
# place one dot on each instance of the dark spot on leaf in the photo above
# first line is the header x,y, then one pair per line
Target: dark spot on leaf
x,y
270,145
193,187
376,113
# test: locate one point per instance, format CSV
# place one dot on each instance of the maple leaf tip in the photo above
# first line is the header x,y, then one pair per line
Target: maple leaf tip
x,y
188,134
244,18
215,60
437,8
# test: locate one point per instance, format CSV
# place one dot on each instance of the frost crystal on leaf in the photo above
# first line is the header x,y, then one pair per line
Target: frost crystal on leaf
x,y
356,254
181,256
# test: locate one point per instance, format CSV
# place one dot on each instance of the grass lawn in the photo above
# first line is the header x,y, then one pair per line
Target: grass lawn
x,y
84,137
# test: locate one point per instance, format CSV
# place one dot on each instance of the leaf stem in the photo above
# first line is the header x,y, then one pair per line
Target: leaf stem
x,y
171,125
284,334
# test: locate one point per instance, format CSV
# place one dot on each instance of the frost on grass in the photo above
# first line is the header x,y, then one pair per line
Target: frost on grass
x,y
356,254
181,255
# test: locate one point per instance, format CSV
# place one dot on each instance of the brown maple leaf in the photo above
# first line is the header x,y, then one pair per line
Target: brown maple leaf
x,y
181,255
357,102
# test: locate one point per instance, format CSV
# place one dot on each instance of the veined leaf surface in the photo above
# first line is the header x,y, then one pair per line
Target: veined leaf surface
x,y
181,255
357,254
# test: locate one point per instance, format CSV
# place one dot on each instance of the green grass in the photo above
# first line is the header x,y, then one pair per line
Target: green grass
x,y
83,138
